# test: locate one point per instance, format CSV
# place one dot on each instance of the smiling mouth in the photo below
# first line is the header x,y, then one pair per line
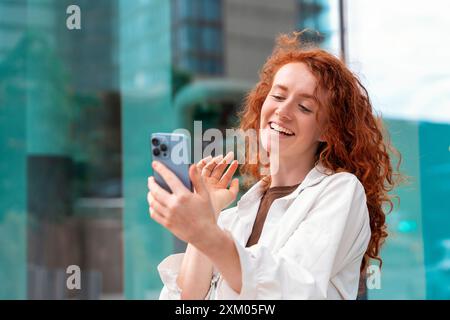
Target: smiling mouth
x,y
284,131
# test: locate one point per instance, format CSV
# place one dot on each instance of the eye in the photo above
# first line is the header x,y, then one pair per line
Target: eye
x,y
277,97
304,109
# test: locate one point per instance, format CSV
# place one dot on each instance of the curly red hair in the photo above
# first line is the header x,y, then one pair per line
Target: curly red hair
x,y
355,137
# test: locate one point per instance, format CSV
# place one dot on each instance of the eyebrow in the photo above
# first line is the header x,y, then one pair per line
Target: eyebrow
x,y
302,94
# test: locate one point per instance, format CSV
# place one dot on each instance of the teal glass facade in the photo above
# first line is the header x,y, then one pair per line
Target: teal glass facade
x,y
145,59
415,257
76,110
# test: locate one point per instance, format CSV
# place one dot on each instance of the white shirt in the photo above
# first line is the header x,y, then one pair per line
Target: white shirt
x,y
311,245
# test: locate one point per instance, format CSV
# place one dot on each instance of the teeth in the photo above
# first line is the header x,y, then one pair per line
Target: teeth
x,y
276,127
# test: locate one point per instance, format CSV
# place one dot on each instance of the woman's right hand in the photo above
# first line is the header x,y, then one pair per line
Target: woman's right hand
x,y
216,181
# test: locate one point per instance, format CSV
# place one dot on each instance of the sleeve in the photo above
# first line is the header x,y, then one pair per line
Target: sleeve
x,y
170,267
303,267
168,270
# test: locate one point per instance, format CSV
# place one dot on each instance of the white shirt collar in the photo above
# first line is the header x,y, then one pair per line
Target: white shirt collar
x,y
314,176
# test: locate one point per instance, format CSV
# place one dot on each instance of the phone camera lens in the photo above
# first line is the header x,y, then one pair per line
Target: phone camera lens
x,y
156,152
155,142
163,147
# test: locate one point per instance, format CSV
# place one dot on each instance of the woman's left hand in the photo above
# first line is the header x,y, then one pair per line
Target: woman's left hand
x,y
188,215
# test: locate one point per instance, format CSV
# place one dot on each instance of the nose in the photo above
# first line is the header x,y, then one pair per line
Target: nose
x,y
283,111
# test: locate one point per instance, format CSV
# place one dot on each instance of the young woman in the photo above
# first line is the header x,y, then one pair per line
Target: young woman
x,y
309,228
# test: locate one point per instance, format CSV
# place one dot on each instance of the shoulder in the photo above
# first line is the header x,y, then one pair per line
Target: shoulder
x,y
343,183
340,195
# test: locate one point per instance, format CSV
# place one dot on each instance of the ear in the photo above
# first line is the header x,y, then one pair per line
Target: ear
x,y
322,139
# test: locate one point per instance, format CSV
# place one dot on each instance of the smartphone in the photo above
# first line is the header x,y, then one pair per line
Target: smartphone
x,y
172,150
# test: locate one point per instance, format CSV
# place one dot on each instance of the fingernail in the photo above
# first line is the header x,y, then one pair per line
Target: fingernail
x,y
154,164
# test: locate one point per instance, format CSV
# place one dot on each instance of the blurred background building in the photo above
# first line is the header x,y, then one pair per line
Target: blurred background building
x,y
77,108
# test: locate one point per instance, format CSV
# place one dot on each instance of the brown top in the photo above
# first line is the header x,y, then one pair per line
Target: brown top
x,y
269,196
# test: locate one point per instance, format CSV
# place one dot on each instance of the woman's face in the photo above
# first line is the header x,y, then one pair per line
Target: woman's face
x,y
289,112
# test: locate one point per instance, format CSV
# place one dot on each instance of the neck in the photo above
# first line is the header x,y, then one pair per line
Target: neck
x,y
290,171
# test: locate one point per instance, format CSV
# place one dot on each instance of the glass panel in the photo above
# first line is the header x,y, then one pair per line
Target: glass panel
x,y
13,186
145,83
188,9
76,111
211,41
187,38
211,9
409,85
321,16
